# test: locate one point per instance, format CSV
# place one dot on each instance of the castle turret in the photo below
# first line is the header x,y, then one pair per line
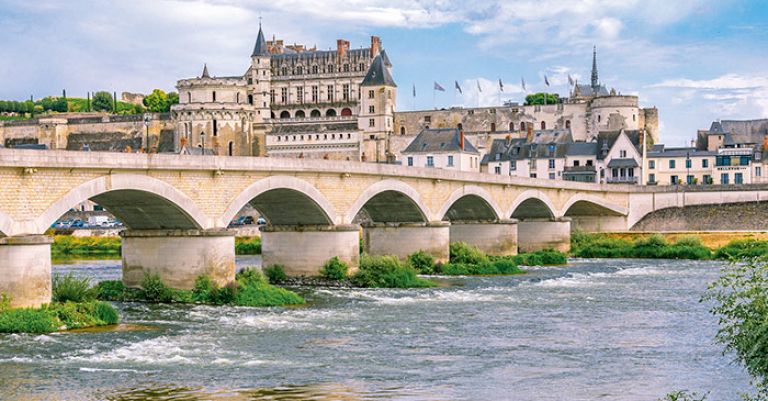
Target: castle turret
x,y
260,76
377,108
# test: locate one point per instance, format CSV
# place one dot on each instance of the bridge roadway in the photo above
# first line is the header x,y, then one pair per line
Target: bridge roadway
x,y
176,209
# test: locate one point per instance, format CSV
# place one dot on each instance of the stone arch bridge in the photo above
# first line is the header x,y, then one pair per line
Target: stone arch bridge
x,y
177,207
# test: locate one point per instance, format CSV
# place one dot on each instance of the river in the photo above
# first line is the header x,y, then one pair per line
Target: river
x,y
594,330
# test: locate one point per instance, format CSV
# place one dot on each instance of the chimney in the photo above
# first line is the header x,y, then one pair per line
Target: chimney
x,y
341,47
765,143
529,137
509,140
461,139
375,45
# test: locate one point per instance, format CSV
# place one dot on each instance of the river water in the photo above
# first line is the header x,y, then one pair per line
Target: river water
x,y
594,330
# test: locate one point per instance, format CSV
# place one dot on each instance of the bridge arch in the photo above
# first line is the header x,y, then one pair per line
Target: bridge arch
x,y
390,201
590,205
284,200
141,202
532,204
470,203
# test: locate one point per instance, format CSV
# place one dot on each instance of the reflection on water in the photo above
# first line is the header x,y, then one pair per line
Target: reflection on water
x,y
614,330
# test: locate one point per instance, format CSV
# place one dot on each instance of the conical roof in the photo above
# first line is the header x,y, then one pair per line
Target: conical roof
x,y
378,73
205,71
260,49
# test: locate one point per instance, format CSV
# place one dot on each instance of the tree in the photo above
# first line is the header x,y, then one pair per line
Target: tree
x,y
173,98
741,305
102,101
157,101
538,98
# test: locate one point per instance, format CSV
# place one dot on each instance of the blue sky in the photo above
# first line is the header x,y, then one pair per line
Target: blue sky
x,y
697,61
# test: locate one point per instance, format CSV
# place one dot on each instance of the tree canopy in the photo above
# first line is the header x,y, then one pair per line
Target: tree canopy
x,y
102,101
539,98
160,102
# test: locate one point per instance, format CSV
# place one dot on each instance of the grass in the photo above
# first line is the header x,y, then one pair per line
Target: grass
x,y
387,272
650,247
74,307
657,247
250,288
248,245
68,245
275,274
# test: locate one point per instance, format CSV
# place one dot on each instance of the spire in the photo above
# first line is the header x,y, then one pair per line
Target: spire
x,y
595,82
205,71
260,49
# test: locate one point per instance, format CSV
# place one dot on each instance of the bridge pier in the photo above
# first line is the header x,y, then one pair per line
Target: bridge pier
x,y
535,235
403,239
178,257
25,270
303,250
497,238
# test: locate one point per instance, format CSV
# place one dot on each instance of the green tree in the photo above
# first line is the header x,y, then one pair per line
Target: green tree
x,y
102,101
539,98
157,102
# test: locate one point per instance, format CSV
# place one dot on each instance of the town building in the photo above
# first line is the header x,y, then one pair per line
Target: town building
x,y
445,148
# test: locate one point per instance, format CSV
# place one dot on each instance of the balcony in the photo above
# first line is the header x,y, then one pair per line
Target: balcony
x,y
621,180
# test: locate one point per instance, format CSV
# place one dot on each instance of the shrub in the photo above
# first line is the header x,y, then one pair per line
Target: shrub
x,y
461,252
27,320
334,269
387,272
154,290
203,288
248,245
649,247
69,288
423,262
5,302
275,274
743,248
254,290
57,316
111,290
499,266
547,257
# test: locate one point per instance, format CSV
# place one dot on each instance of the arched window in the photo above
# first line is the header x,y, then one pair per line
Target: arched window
x,y
460,126
330,113
567,124
300,114
231,148
493,127
250,99
402,130
346,111
285,114
511,126
543,125
314,113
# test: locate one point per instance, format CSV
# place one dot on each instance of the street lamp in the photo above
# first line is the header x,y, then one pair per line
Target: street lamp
x,y
146,125
202,141
688,168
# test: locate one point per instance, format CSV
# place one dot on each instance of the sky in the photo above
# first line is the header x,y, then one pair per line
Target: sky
x,y
696,61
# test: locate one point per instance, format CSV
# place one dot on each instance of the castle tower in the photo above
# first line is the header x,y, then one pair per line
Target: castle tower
x,y
377,108
261,75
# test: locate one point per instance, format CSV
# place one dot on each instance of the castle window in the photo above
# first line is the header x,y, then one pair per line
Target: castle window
x,y
300,114
250,99
300,94
272,96
314,69
371,122
634,117
402,130
214,96
231,148
599,118
493,127
314,113
345,92
346,112
511,126
284,95
284,71
330,68
427,119
330,113
237,97
567,124
215,128
543,125
330,93
362,67
314,93
285,114
189,97
371,109
300,70
346,67
371,94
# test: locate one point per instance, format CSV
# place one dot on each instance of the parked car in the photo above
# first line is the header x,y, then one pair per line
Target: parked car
x,y
260,221
77,224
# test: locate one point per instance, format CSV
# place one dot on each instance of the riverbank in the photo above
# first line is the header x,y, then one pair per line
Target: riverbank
x,y
670,246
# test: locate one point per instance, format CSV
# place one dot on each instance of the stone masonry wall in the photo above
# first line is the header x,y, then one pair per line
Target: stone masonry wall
x,y
735,216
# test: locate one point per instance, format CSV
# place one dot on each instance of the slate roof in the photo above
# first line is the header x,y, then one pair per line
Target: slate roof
x,y
622,163
439,140
606,139
661,151
378,74
587,90
582,149
260,49
313,128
